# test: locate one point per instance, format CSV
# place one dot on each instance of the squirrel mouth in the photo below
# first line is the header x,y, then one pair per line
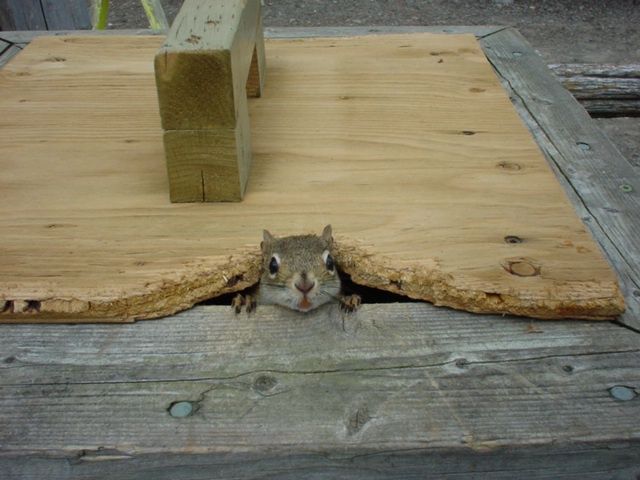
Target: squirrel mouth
x,y
304,304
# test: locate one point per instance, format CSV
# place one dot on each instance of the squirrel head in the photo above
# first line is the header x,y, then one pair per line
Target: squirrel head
x,y
299,272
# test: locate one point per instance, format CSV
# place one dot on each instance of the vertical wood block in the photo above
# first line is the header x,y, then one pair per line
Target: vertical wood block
x,y
212,59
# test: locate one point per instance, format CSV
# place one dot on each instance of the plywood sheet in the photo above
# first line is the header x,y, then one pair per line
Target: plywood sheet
x,y
406,144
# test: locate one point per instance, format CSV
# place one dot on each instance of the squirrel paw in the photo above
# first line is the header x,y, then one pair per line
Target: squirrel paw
x,y
350,303
248,301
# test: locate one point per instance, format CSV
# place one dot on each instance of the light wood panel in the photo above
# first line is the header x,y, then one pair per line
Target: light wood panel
x,y
407,144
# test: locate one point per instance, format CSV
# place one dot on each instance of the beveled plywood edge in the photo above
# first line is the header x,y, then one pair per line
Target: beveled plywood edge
x,y
25,36
577,151
8,53
306,32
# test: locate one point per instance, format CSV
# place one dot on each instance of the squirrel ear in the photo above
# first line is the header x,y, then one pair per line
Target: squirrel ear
x,y
327,235
267,239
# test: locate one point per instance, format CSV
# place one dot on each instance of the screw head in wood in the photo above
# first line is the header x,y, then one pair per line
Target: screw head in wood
x,y
584,146
623,393
181,409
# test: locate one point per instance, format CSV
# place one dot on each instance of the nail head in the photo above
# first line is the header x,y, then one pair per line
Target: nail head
x,y
622,393
181,409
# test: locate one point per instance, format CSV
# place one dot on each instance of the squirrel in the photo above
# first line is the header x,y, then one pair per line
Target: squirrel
x,y
298,272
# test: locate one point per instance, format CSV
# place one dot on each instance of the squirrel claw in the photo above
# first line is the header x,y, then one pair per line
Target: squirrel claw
x,y
350,303
248,301
237,303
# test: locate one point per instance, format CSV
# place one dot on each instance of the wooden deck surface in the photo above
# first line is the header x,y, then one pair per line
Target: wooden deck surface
x,y
394,391
434,187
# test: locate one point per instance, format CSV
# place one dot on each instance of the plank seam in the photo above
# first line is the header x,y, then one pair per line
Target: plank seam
x,y
334,370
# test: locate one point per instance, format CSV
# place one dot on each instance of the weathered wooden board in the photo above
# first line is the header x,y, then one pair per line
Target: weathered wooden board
x,y
408,145
394,391
603,89
45,14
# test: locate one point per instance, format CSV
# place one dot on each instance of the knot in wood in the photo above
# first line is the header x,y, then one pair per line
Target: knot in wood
x,y
264,383
521,267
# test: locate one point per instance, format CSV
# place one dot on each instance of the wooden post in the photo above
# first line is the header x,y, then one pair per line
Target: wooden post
x,y
202,73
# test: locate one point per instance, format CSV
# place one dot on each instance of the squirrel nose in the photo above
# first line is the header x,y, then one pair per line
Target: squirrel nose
x,y
305,286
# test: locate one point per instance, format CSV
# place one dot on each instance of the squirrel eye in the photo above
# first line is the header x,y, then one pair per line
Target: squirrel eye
x,y
274,265
328,261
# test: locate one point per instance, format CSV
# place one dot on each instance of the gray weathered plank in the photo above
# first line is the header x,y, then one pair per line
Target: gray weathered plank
x,y
599,81
408,383
24,37
45,14
558,462
22,15
8,53
3,46
603,89
611,107
70,14
586,160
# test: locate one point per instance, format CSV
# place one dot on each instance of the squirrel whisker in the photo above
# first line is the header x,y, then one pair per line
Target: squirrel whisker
x,y
277,285
329,294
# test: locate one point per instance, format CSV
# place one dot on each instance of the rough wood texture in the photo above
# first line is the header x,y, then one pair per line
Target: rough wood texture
x,y
603,89
394,391
601,182
45,14
449,198
201,75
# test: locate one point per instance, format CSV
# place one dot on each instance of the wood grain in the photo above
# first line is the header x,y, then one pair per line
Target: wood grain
x,y
400,390
601,182
603,89
426,184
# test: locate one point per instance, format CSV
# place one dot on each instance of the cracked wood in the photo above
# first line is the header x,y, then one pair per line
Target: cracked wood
x,y
438,177
408,382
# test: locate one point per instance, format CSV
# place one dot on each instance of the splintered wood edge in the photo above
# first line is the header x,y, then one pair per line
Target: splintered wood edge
x,y
197,284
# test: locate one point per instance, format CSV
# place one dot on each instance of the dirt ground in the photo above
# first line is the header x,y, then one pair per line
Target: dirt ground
x,y
569,31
